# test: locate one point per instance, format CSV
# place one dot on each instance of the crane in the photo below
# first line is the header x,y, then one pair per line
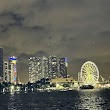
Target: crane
x,y
103,80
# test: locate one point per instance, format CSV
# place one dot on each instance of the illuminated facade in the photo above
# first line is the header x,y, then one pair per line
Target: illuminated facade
x,y
53,67
1,64
63,64
38,68
35,70
6,72
13,69
46,67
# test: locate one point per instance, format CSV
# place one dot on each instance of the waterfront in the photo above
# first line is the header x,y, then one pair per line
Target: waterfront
x,y
94,99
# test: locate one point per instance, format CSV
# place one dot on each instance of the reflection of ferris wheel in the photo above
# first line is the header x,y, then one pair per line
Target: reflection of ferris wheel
x,y
89,73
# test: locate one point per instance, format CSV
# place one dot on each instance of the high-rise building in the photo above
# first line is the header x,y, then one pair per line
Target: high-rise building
x,y
42,67
45,67
63,64
53,67
35,70
6,72
1,64
13,69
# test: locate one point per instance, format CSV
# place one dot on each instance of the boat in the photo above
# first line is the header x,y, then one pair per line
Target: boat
x,y
87,87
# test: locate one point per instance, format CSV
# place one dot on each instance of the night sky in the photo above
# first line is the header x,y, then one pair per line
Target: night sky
x,y
77,29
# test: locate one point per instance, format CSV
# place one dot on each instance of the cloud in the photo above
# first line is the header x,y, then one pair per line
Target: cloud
x,y
79,30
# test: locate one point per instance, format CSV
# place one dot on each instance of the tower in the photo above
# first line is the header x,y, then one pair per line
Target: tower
x,y
63,64
45,67
13,69
6,72
53,67
35,70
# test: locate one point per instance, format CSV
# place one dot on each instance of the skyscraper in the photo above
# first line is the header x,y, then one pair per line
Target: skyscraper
x,y
35,69
1,64
45,67
53,67
13,69
6,72
63,64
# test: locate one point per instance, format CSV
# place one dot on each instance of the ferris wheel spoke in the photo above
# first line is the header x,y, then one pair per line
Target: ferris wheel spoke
x,y
86,66
95,74
87,80
93,67
84,77
96,77
84,74
90,64
94,70
84,69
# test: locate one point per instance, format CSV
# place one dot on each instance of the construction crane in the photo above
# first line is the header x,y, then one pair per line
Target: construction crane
x,y
103,80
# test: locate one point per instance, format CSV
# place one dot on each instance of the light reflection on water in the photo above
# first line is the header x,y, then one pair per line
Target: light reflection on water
x,y
11,102
14,102
90,100
70,100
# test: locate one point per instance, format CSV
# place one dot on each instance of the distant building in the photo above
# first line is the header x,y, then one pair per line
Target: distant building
x,y
63,64
47,67
6,72
1,64
35,70
13,69
53,67
32,69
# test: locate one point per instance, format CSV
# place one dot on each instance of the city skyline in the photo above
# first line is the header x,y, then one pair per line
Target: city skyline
x,y
79,30
50,67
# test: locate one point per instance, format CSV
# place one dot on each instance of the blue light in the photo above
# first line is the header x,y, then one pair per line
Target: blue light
x,y
12,58
14,79
66,59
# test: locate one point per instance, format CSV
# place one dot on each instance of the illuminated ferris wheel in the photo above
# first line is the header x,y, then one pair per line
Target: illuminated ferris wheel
x,y
89,73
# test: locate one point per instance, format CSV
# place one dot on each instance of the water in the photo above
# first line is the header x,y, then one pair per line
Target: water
x,y
60,100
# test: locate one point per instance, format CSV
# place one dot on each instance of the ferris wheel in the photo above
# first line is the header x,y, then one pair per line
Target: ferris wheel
x,y
89,73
